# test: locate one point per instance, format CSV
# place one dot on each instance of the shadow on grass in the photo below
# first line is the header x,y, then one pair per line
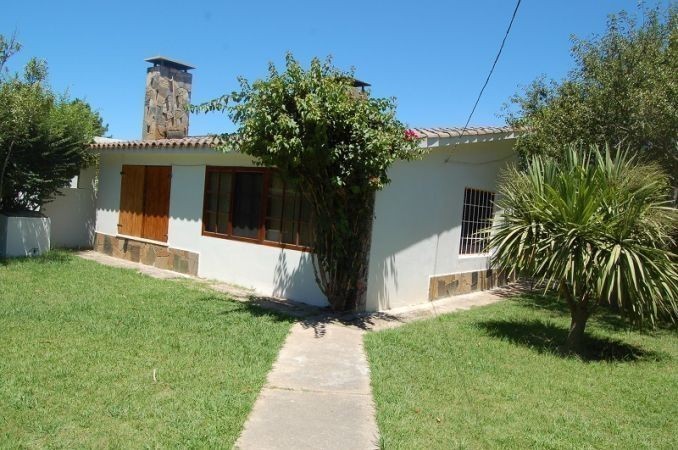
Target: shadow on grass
x,y
604,316
250,307
315,317
51,257
545,337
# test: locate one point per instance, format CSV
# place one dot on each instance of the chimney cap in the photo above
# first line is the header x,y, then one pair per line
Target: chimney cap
x,y
361,84
355,82
173,63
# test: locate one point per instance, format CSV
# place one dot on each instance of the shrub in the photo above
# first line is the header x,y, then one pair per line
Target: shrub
x,y
595,227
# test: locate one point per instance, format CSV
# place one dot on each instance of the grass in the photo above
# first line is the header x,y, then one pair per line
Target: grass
x,y
80,343
494,377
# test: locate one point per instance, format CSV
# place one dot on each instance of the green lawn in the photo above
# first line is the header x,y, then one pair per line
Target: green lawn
x,y
79,343
493,378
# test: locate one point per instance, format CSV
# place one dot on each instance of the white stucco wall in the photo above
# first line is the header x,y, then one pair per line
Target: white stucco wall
x,y
73,214
24,235
268,270
415,234
417,223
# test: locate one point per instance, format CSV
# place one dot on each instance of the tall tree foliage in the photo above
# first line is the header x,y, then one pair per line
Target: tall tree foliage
x,y
44,136
623,92
337,144
597,228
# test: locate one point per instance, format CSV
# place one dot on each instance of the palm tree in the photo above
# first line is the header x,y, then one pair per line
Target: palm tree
x,y
595,228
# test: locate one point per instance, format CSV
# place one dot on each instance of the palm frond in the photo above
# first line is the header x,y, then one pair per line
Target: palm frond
x,y
602,225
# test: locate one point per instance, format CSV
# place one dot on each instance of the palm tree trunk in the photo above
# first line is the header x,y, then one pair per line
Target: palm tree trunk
x,y
579,313
575,337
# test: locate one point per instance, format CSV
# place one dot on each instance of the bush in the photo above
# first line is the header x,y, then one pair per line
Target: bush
x,y
44,137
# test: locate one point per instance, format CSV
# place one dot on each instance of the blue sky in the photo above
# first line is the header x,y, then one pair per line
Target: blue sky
x,y
433,56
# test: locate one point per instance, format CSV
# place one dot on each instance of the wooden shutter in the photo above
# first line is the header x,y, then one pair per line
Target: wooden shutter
x,y
156,202
131,217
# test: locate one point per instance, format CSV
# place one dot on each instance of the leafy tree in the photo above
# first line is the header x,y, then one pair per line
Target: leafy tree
x,y
8,47
337,145
597,228
44,137
622,92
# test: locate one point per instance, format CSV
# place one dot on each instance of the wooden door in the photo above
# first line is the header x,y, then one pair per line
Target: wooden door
x,y
130,221
157,185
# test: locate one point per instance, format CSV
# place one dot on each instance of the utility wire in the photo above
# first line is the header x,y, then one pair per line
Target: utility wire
x,y
487,80
436,313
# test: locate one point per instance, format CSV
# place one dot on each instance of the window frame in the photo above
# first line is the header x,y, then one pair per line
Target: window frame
x,y
267,173
473,220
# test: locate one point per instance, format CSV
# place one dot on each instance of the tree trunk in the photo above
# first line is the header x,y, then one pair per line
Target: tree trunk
x,y
575,338
2,173
341,248
579,313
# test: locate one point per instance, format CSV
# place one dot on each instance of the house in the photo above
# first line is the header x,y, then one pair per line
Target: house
x,y
172,201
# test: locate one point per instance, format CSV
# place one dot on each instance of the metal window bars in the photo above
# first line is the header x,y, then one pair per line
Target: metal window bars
x,y
476,221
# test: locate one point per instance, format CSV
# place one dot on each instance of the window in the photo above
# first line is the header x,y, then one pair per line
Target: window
x,y
144,201
247,201
255,205
476,221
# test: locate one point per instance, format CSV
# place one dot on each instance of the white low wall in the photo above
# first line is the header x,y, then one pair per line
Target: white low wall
x,y
417,225
267,270
24,235
73,213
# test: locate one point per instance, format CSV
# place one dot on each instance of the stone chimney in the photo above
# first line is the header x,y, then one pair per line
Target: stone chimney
x,y
168,94
359,87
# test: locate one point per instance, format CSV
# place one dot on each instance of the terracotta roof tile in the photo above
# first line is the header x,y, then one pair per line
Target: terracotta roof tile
x,y
213,141
188,142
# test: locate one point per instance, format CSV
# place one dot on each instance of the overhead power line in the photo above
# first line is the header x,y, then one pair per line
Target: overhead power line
x,y
460,376
489,75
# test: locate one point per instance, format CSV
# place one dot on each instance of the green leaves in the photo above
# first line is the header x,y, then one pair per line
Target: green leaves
x,y
316,116
8,47
598,225
622,92
336,143
44,137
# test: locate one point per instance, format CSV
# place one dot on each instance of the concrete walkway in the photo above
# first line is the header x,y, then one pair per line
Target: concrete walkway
x,y
399,316
317,396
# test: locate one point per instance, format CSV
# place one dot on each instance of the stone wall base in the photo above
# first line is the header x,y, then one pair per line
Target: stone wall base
x,y
442,286
147,253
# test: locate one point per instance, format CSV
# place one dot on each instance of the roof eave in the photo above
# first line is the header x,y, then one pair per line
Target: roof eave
x,y
160,144
444,141
430,138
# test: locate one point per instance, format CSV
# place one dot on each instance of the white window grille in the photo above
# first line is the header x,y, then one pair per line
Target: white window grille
x,y
476,221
